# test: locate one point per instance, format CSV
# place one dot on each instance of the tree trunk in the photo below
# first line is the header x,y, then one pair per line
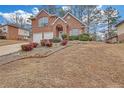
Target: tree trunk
x,y
88,21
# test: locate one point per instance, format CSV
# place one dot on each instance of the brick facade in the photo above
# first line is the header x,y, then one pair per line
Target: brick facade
x,y
54,21
12,32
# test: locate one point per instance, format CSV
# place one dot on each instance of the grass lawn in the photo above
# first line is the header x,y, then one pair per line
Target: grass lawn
x,y
9,42
81,65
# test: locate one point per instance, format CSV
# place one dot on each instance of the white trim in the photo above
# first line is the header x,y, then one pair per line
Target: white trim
x,y
41,11
73,17
57,19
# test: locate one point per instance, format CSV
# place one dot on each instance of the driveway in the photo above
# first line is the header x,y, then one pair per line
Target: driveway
x,y
7,49
9,42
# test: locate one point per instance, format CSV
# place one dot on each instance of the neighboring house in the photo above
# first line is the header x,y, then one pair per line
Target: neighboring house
x,y
47,26
120,31
13,32
119,36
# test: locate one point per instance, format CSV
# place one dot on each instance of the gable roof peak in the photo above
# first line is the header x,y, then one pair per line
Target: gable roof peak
x,y
60,19
72,16
43,11
121,22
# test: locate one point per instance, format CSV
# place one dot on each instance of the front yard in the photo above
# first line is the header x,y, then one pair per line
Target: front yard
x,y
79,65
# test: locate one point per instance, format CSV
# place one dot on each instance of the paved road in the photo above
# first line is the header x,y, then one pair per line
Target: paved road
x,y
4,50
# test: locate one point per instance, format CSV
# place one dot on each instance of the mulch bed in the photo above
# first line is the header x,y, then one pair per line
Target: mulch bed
x,y
39,52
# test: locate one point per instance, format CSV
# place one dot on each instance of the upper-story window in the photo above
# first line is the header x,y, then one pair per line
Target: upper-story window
x,y
43,21
4,29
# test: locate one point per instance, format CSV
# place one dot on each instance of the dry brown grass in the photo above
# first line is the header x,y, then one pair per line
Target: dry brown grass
x,y
88,65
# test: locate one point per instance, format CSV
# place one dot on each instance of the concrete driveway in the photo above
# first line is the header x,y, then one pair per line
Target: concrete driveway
x,y
7,49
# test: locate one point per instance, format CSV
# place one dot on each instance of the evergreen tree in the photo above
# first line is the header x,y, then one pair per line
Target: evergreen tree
x,y
111,17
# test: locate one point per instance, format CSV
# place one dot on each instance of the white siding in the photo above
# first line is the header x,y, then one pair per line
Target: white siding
x,y
23,32
120,29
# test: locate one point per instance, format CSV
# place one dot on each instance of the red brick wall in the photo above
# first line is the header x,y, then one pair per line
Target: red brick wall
x,y
73,23
59,22
12,33
47,28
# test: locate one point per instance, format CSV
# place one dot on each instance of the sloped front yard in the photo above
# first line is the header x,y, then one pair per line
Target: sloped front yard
x,y
80,65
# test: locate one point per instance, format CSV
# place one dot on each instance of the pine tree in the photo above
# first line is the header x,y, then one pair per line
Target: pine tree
x,y
111,17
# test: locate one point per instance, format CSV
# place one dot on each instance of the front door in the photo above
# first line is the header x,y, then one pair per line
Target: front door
x,y
60,35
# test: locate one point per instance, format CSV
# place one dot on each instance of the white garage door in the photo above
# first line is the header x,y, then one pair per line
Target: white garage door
x,y
37,37
48,35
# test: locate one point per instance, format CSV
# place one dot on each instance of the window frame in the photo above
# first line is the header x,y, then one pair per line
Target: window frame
x,y
43,21
72,33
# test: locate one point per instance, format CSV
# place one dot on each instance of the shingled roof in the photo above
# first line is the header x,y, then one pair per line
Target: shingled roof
x,y
119,23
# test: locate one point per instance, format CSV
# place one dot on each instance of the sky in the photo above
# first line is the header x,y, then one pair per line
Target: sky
x,y
33,9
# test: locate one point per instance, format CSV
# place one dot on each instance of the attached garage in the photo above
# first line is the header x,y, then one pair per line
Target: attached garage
x,y
48,35
37,37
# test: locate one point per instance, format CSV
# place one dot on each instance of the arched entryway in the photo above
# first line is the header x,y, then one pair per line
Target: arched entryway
x,y
59,31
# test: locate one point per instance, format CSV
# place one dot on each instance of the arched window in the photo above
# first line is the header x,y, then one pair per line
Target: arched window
x,y
43,21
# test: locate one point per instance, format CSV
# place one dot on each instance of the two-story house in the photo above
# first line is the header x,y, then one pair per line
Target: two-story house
x,y
47,26
13,32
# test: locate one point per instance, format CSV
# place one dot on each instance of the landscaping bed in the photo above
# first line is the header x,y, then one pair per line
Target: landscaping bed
x,y
40,51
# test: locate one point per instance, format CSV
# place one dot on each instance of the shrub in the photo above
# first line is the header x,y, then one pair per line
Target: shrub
x,y
64,36
48,43
73,37
64,42
56,40
34,44
27,47
84,37
42,42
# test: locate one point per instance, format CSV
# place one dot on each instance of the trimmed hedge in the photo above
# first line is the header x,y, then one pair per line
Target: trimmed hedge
x,y
56,40
46,42
27,47
42,42
85,37
73,37
64,42
64,36
34,45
